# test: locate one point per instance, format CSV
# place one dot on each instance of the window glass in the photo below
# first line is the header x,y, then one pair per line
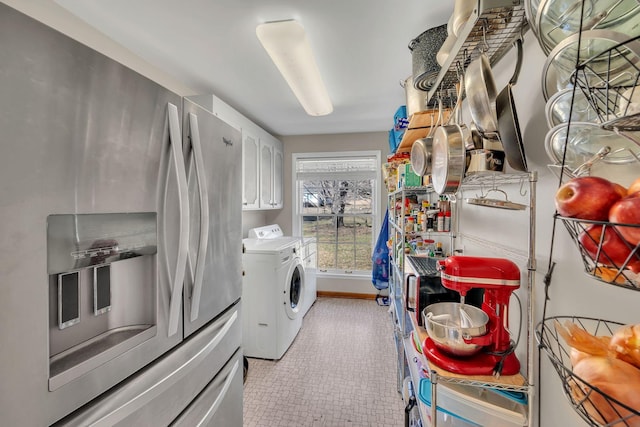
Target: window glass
x,y
336,202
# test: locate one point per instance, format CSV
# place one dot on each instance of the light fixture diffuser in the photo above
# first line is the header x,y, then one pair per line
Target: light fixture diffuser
x,y
287,44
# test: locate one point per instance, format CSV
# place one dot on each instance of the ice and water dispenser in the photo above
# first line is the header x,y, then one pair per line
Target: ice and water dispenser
x,y
102,288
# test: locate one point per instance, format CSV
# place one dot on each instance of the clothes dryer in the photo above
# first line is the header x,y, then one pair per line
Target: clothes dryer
x,y
272,295
310,258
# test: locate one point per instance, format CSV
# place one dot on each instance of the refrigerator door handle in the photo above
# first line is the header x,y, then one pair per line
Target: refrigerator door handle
x,y
204,215
183,211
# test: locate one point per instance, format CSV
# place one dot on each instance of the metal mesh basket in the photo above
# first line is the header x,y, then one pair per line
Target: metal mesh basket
x,y
609,268
610,82
588,401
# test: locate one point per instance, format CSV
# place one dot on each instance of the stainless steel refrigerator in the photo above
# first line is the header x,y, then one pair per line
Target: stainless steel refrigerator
x,y
120,253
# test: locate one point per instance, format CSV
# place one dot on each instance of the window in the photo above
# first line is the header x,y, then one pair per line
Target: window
x,y
336,198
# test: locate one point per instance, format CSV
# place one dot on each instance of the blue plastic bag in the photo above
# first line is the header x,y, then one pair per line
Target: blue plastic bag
x,y
380,257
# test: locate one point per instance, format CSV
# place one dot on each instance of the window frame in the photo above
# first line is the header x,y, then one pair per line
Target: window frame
x,y
297,199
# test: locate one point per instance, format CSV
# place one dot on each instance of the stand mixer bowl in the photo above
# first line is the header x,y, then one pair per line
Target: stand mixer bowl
x,y
447,327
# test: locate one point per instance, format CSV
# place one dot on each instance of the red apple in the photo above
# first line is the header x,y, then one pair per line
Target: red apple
x,y
634,188
587,197
614,250
620,189
627,211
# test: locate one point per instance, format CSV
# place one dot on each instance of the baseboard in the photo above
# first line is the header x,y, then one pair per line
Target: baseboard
x,y
332,294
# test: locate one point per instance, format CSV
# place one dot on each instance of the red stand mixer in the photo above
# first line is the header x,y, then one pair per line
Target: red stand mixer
x,y
499,278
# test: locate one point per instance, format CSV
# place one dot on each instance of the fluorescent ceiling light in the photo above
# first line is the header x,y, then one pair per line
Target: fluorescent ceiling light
x,y
288,46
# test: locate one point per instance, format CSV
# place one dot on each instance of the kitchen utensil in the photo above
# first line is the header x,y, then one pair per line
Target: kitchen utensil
x,y
421,156
445,49
492,143
582,170
605,70
465,318
443,323
448,156
496,203
558,107
423,55
558,19
422,148
531,11
481,94
416,99
462,10
483,162
498,277
585,141
508,125
476,137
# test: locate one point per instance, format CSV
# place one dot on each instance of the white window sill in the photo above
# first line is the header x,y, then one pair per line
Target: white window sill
x,y
335,275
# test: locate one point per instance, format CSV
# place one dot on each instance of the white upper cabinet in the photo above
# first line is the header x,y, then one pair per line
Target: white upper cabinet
x,y
271,174
278,175
250,165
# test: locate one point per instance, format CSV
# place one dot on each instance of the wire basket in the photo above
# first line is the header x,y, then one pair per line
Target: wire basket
x,y
609,81
594,239
588,401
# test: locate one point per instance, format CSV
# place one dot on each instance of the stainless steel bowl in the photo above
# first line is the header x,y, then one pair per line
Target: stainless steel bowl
x,y
444,324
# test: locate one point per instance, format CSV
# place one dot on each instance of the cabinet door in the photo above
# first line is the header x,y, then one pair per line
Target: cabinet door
x,y
278,174
250,169
266,175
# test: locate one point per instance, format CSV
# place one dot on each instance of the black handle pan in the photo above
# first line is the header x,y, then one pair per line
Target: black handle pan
x,y
508,125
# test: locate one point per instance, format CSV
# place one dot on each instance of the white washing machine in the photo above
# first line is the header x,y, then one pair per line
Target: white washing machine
x,y
273,290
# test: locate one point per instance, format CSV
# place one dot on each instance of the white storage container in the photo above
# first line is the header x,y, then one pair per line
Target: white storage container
x,y
476,405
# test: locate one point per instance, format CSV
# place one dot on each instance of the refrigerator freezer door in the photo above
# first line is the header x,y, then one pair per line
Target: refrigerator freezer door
x,y
82,134
162,391
214,285
220,404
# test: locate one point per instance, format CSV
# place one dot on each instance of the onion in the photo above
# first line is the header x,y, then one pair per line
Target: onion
x,y
576,355
614,378
625,344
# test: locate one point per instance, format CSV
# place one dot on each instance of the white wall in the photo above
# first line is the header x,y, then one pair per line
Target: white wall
x,y
571,292
49,13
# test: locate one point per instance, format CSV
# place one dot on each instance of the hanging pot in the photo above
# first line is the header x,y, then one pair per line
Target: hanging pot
x,y
421,156
422,148
483,161
416,100
448,157
508,125
424,49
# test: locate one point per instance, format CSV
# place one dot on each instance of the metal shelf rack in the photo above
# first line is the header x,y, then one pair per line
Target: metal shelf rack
x,y
516,383
494,25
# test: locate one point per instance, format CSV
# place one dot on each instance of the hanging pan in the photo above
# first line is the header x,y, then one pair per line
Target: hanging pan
x,y
508,125
482,93
496,203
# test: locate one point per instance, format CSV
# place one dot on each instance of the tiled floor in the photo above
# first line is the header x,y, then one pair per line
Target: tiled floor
x,y
339,371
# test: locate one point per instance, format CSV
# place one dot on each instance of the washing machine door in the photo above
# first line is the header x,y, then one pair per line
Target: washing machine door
x,y
294,289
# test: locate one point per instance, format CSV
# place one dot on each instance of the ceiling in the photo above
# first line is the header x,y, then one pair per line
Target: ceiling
x,y
211,47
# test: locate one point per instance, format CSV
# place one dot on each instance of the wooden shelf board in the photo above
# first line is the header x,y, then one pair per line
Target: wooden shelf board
x,y
419,126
